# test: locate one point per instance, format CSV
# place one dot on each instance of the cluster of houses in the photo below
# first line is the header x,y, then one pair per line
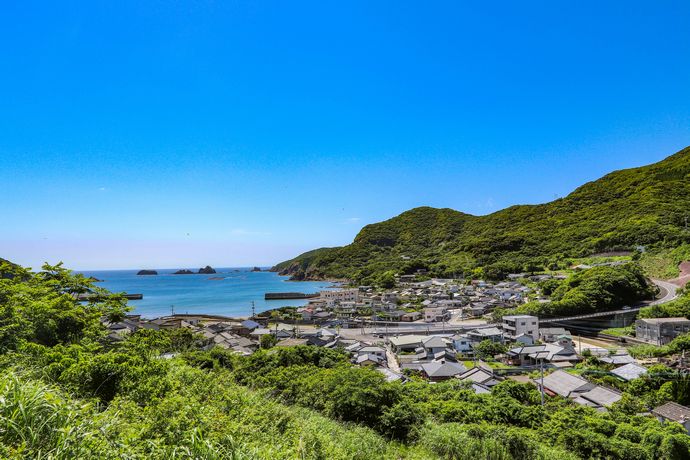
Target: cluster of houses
x,y
242,337
436,357
433,300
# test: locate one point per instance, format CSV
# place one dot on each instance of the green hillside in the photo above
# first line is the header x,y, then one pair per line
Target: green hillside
x,y
69,392
643,206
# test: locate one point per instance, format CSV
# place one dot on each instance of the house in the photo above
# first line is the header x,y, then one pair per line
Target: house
x,y
369,360
661,331
435,344
406,343
389,297
462,343
480,375
617,359
292,342
321,316
395,315
390,375
673,412
258,332
437,371
551,334
306,313
480,389
516,325
549,352
524,339
411,316
630,371
598,397
332,297
354,347
436,314
580,390
478,309
250,325
372,350
487,333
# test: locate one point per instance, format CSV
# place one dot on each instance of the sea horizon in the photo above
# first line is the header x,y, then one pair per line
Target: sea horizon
x,y
231,291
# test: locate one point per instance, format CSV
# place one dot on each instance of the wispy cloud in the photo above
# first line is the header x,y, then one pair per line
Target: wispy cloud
x,y
102,189
353,220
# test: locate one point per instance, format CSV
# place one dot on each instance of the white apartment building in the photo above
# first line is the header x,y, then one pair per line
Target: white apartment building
x,y
516,325
338,296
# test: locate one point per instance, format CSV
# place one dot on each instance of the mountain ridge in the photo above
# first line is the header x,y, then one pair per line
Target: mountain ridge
x,y
624,209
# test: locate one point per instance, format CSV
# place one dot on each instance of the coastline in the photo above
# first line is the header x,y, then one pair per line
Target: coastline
x,y
232,296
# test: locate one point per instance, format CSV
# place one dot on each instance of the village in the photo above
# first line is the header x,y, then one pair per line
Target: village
x,y
440,329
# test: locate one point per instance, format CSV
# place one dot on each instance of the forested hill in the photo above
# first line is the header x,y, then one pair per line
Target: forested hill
x,y
622,210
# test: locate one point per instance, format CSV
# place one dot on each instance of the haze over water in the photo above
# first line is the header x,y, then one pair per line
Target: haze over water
x,y
231,295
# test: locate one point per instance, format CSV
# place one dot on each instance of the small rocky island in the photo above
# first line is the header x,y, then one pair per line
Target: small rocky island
x,y
256,269
207,270
147,272
183,272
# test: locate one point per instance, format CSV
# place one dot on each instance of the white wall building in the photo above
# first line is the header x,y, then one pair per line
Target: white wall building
x,y
338,296
516,325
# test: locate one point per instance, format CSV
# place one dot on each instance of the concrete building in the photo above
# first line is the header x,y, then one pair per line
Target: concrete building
x,y
436,314
661,331
338,296
516,325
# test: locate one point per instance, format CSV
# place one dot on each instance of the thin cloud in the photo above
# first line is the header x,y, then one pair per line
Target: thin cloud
x,y
353,220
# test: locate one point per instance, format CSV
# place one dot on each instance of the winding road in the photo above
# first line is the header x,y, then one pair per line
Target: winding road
x,y
668,291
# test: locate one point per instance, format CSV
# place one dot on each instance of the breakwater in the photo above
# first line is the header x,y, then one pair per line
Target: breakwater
x,y
288,295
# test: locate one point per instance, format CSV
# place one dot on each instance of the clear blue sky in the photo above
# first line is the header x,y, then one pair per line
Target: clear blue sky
x,y
175,134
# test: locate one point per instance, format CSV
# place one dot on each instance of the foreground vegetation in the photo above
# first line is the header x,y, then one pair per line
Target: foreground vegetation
x,y
636,207
67,393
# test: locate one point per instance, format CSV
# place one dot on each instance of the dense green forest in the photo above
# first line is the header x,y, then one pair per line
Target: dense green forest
x,y
67,392
626,209
596,289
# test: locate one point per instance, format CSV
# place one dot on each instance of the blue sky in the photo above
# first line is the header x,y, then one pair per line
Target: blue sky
x,y
171,134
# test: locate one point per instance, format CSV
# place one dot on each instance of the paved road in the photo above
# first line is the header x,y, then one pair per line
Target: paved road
x,y
392,360
667,290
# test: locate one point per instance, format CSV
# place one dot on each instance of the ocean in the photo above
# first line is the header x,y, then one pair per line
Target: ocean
x,y
230,293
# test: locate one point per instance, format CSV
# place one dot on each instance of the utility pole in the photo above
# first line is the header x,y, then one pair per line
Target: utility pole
x,y
172,310
542,355
542,380
253,311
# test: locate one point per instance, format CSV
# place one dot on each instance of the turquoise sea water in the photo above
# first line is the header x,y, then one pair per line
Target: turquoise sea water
x,y
230,295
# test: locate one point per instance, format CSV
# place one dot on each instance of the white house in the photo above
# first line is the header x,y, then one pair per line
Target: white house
x,y
515,325
337,296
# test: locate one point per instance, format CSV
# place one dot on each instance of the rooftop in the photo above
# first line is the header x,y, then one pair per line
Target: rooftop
x,y
664,320
673,411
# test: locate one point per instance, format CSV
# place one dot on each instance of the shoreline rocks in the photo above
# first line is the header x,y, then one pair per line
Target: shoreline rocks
x,y
183,272
207,270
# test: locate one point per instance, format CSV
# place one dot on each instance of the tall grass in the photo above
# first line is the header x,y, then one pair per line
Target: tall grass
x,y
38,422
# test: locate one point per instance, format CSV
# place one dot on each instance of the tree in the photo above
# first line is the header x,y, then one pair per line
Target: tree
x,y
489,349
268,341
